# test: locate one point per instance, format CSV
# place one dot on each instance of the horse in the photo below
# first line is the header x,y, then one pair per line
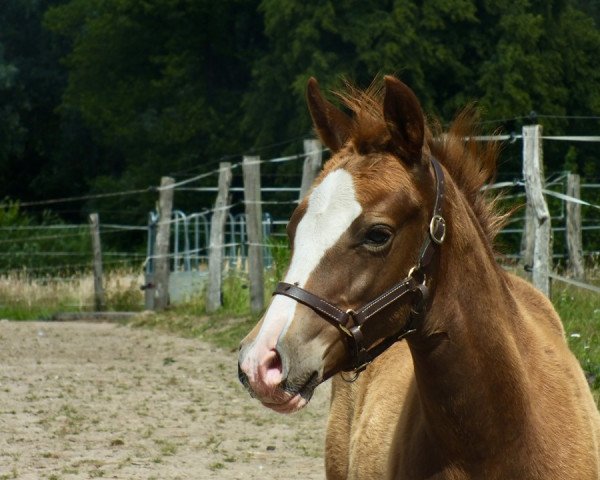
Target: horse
x,y
393,242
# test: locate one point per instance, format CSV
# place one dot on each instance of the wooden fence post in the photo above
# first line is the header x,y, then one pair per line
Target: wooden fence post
x,y
161,250
99,303
252,199
533,173
217,234
528,238
312,165
150,265
574,243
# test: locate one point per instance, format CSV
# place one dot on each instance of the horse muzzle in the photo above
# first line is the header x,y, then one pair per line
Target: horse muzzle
x,y
266,377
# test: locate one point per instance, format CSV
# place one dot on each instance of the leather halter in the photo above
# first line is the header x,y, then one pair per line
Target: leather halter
x,y
351,322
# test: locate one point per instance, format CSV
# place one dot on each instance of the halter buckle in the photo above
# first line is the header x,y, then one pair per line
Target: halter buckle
x,y
343,328
437,229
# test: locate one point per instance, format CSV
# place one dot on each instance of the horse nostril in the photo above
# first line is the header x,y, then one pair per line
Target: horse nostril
x,y
271,369
274,362
261,374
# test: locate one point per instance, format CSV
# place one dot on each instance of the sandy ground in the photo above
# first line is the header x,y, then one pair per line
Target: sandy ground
x,y
98,400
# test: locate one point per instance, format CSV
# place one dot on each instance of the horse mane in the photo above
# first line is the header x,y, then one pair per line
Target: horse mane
x,y
471,163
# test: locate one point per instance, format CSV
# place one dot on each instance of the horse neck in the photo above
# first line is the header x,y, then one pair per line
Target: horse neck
x,y
467,367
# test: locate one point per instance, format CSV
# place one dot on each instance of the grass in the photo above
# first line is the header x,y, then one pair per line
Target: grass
x,y
580,312
26,297
224,328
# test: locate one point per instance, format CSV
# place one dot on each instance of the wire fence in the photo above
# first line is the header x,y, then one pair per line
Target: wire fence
x,y
191,236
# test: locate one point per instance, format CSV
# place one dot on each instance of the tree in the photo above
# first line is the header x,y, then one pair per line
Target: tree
x,y
173,86
160,82
510,57
11,130
40,145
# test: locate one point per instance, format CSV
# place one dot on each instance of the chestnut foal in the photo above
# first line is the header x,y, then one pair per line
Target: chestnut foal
x,y
394,241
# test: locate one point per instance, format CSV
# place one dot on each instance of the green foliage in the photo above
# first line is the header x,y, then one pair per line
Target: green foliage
x,y
160,81
107,95
236,294
280,251
46,148
512,57
40,245
122,294
11,130
9,308
580,313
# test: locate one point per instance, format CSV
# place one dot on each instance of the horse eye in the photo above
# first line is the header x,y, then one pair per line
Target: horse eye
x,y
377,236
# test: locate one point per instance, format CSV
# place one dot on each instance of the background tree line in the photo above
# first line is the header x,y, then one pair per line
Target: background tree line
x,y
109,95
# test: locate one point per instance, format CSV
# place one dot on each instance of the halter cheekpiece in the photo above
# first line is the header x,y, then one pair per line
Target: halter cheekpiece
x,y
351,322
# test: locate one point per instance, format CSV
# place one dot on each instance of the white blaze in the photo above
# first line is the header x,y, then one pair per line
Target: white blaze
x,y
332,207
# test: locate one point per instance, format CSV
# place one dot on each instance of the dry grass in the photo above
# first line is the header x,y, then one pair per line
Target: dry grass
x,y
24,297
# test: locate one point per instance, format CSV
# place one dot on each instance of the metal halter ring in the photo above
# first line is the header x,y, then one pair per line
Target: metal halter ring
x,y
418,270
437,223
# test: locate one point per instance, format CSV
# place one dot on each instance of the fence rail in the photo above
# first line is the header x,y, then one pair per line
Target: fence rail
x,y
189,241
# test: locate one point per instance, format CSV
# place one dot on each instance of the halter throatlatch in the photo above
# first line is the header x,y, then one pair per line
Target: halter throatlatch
x,y
351,322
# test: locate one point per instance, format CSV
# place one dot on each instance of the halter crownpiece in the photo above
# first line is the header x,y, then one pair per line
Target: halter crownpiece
x,y
351,322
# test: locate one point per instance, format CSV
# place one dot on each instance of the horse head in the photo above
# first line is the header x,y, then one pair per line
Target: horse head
x,y
359,231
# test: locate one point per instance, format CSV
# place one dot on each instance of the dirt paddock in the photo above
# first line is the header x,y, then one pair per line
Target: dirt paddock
x,y
99,400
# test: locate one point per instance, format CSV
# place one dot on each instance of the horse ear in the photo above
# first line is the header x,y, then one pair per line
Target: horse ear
x,y
404,118
332,125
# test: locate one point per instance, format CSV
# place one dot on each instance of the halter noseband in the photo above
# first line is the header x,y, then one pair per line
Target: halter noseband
x,y
351,322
